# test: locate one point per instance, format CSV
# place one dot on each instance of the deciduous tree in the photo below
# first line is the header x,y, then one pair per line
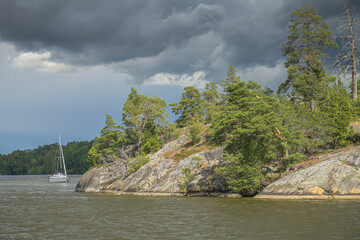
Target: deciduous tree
x,y
140,110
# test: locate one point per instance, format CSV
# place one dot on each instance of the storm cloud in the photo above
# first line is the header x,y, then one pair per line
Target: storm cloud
x,y
64,64
144,38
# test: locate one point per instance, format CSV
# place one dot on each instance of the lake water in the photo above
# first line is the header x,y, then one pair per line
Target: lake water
x,y
33,208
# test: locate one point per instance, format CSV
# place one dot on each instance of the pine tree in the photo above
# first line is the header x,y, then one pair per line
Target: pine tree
x,y
336,110
246,126
190,106
309,37
231,79
107,146
210,98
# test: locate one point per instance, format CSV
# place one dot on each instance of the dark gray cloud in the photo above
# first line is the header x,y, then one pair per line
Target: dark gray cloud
x,y
142,38
98,46
97,32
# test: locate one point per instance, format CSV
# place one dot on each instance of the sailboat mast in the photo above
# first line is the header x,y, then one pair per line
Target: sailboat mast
x,y
62,154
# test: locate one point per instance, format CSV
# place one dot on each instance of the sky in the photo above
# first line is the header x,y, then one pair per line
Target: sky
x,y
65,64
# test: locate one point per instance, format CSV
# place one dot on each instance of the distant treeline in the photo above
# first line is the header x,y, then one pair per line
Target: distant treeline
x,y
40,160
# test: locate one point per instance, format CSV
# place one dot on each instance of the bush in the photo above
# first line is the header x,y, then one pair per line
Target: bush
x,y
187,177
137,162
195,132
241,176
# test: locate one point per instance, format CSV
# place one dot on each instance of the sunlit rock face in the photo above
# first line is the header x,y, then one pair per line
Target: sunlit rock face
x,y
337,176
163,174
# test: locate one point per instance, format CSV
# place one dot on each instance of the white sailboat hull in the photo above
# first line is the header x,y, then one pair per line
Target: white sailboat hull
x,y
58,178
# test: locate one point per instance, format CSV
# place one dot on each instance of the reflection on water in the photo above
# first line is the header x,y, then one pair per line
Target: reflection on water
x,y
31,207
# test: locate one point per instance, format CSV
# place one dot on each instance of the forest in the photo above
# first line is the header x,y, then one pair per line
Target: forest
x,y
41,159
308,114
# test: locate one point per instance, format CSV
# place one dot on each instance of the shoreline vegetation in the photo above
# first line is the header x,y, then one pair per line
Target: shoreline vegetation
x,y
263,134
239,140
40,160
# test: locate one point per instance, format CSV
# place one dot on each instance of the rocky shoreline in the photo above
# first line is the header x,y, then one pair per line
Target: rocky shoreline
x,y
308,197
162,175
335,176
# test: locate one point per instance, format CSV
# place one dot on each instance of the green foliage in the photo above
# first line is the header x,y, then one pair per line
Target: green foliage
x,y
187,177
247,122
198,161
246,125
231,79
107,145
356,104
190,106
137,162
337,110
186,152
242,176
210,94
309,36
291,160
76,156
210,98
140,112
306,132
151,141
40,160
144,120
195,130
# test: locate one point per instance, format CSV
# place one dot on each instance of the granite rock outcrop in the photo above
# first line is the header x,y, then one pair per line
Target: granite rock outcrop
x,y
336,176
162,175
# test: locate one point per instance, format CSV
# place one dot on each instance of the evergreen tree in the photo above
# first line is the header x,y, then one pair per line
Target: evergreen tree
x,y
151,140
210,98
195,129
309,36
247,125
210,94
336,109
231,79
108,144
190,106
110,126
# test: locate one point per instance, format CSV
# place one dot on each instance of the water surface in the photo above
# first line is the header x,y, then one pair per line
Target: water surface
x,y
33,208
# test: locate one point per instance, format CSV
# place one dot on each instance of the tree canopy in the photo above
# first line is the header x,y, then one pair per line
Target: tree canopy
x,y
190,106
309,37
40,160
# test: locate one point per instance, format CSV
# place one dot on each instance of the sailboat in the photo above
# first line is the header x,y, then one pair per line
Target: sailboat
x,y
59,169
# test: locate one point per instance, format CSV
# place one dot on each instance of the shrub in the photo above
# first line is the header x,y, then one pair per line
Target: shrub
x,y
242,176
137,162
195,132
187,177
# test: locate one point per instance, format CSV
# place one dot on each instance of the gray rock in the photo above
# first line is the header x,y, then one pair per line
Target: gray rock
x,y
160,175
337,175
